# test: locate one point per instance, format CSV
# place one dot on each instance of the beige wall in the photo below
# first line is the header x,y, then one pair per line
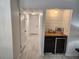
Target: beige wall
x,y
53,21
67,16
62,20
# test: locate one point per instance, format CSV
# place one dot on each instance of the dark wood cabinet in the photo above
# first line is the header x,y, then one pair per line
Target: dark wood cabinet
x,y
55,44
49,44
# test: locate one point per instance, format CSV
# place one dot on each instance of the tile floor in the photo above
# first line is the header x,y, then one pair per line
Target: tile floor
x,y
59,57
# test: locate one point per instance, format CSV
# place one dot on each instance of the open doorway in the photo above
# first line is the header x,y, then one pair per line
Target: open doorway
x,y
57,30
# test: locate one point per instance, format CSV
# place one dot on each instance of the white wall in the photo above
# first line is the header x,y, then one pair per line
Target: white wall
x,y
73,40
6,47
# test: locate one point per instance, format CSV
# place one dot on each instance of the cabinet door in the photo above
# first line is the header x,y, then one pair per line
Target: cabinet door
x,y
61,45
49,44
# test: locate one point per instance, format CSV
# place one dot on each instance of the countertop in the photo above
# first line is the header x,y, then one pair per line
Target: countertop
x,y
54,34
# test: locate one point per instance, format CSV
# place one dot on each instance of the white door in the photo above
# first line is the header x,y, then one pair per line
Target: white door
x,y
35,35
31,35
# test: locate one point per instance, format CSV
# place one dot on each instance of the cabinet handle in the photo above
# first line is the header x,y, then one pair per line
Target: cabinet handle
x,y
55,46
